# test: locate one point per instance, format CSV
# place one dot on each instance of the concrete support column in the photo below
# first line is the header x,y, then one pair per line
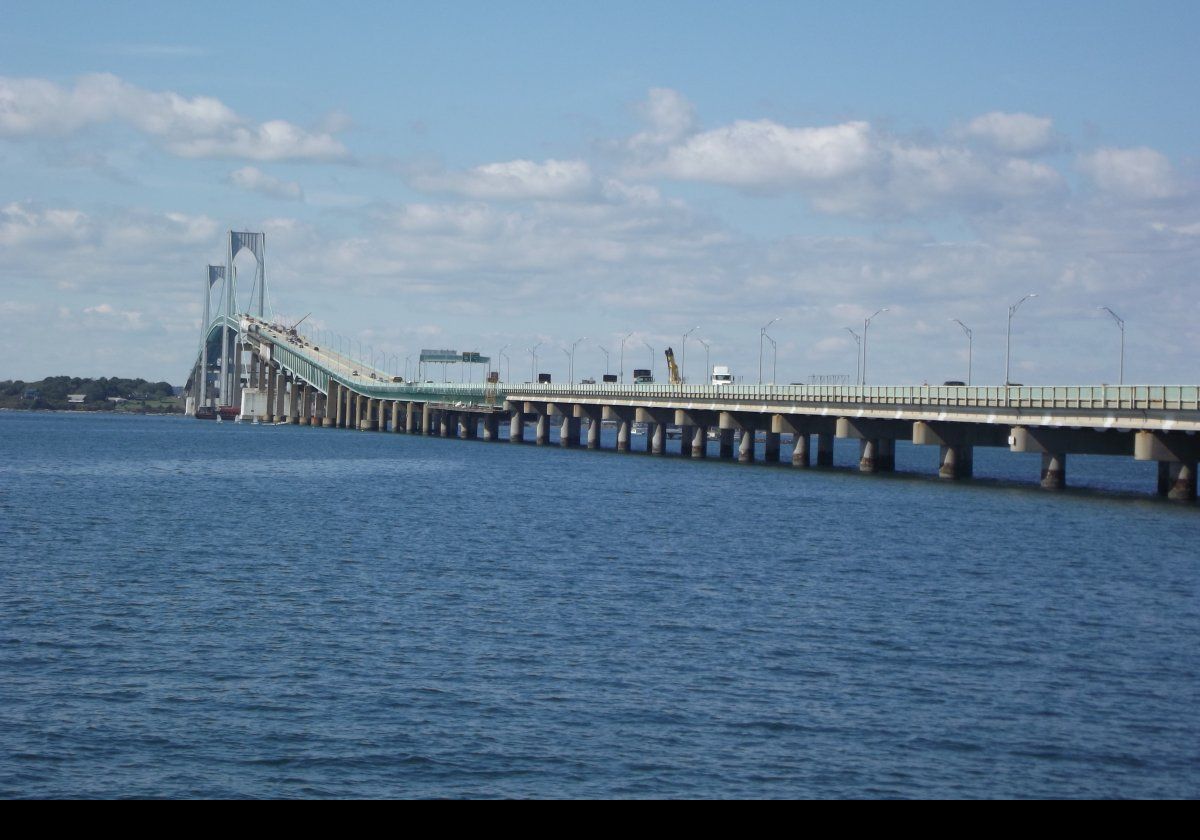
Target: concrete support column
x,y
516,426
801,457
541,435
568,432
622,435
462,428
887,455
746,449
593,437
1054,470
658,439
426,419
725,445
411,418
395,412
956,462
350,415
269,411
868,455
1177,480
491,427
305,404
772,448
700,442
824,450
332,405
280,396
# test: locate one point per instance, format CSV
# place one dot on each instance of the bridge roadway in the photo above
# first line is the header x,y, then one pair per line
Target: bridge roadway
x,y
291,380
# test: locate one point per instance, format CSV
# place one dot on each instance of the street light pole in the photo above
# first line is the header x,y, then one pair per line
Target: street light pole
x,y
1120,323
761,334
533,362
507,364
707,369
970,345
573,346
1012,310
867,326
570,364
605,352
683,355
651,349
858,357
622,372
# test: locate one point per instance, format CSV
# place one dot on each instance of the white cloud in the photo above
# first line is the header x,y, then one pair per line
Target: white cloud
x,y
198,126
1012,134
513,180
765,153
669,117
255,180
1140,173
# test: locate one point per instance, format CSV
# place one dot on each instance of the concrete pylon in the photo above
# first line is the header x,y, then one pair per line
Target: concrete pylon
x,y
305,403
1054,470
516,426
269,413
746,447
541,434
772,448
658,439
700,442
426,419
801,457
593,436
824,450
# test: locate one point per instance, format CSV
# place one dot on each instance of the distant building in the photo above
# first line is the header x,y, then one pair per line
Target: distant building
x,y
76,399
117,400
32,393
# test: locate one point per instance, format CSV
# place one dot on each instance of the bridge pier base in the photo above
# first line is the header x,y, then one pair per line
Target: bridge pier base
x,y
657,439
269,411
541,434
293,407
516,427
725,446
1054,470
305,401
824,450
568,432
622,435
411,418
700,442
956,462
801,457
593,436
426,419
772,448
746,447
1177,480
491,428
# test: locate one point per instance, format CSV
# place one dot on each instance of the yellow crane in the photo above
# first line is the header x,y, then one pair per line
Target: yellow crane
x,y
673,368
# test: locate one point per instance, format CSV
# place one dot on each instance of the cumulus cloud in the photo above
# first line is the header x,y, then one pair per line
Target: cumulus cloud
x,y
1012,134
669,117
252,179
199,126
1140,173
852,167
513,180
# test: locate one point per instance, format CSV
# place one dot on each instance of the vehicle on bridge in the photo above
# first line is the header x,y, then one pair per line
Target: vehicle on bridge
x,y
643,376
721,375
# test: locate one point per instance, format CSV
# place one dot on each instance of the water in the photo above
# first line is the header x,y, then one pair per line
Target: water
x,y
193,609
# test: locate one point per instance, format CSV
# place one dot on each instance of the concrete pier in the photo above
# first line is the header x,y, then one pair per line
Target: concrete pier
x,y
772,448
801,457
1054,470
305,405
272,385
516,426
700,442
541,434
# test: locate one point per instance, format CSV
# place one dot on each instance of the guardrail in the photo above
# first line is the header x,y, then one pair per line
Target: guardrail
x,y
1095,397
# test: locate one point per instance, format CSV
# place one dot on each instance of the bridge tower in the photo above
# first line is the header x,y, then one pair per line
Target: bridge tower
x,y
255,243
212,275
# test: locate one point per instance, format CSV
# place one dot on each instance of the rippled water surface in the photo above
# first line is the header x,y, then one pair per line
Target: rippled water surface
x,y
194,609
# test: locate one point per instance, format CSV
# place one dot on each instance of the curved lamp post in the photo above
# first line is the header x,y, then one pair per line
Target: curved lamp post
x,y
1121,324
762,333
1012,310
867,326
970,345
857,357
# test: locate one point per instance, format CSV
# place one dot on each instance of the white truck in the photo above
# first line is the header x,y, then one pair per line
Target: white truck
x,y
721,375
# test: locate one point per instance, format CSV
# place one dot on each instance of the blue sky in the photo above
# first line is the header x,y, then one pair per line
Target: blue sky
x,y
475,175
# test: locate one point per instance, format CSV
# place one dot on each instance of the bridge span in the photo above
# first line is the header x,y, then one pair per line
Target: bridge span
x,y
288,379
